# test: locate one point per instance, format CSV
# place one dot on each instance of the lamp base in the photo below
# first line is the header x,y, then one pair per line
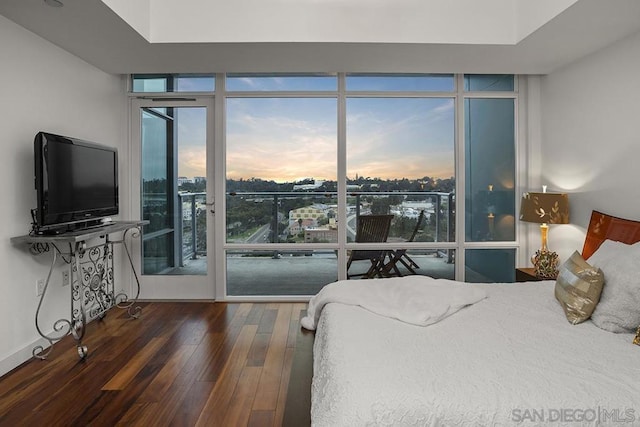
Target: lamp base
x,y
546,264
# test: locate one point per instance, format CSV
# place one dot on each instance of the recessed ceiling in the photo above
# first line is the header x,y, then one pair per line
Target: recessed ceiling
x,y
502,36
497,22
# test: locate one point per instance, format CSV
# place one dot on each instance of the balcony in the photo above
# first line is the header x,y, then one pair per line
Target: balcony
x,y
285,222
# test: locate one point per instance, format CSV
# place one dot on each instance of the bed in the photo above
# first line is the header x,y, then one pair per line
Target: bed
x,y
510,358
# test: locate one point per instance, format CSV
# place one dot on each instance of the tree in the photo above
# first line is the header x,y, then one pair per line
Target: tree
x,y
380,206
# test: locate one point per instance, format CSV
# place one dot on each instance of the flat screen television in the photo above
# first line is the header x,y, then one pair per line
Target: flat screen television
x,y
76,183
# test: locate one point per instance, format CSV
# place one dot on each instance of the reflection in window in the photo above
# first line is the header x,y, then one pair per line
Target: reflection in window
x,y
490,169
149,84
488,82
157,130
172,83
157,193
490,265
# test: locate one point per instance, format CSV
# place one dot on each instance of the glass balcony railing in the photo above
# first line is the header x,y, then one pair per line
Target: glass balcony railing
x,y
312,217
192,226
256,218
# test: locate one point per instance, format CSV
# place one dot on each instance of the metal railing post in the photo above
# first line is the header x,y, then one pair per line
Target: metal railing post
x,y
194,243
450,230
180,229
274,224
437,213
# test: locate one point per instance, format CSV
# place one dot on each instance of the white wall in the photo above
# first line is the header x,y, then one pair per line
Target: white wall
x,y
591,138
43,88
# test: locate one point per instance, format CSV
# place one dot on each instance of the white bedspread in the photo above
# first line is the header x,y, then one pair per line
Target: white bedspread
x,y
512,359
418,300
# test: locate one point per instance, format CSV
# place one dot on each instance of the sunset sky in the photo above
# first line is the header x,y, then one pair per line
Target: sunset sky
x,y
286,139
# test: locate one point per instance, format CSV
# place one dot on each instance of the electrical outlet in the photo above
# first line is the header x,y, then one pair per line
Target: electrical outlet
x,y
39,287
65,278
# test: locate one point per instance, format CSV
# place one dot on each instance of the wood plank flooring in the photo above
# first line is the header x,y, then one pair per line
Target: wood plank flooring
x,y
179,364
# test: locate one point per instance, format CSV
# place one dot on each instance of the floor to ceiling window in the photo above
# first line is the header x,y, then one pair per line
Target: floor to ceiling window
x,y
281,172
400,160
305,156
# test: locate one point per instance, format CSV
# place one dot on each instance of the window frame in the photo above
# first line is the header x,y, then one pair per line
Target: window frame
x,y
459,95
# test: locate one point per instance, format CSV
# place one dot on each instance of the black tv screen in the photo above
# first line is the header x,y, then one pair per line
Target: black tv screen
x,y
76,181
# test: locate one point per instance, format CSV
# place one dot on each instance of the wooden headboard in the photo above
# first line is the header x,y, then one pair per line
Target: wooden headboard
x,y
603,227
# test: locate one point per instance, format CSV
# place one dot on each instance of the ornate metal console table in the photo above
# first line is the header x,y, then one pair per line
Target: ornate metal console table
x,y
89,255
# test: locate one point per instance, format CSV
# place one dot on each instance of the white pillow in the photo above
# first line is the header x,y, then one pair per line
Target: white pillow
x,y
606,251
619,306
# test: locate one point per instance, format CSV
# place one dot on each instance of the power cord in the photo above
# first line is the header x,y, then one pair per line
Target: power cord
x,y
34,223
39,248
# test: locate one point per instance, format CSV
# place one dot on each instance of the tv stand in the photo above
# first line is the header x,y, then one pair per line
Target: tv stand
x,y
75,227
89,255
51,232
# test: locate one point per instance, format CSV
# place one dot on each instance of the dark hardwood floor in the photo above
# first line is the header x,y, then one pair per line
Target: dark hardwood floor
x,y
179,364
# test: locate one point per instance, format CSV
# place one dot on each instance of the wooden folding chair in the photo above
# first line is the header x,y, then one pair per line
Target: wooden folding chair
x,y
400,255
371,229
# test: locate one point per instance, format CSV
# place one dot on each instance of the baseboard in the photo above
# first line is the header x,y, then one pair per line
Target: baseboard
x,y
26,353
21,356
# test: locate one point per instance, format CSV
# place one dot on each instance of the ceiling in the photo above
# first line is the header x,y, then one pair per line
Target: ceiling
x,y
92,31
339,21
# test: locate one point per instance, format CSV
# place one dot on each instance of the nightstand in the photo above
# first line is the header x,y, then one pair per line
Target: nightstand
x,y
527,275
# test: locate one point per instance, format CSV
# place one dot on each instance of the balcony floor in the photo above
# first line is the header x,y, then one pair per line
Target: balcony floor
x,y
302,275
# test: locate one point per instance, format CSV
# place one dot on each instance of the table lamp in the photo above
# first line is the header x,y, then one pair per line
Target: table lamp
x,y
545,208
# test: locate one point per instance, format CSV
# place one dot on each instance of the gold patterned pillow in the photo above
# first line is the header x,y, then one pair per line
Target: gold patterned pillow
x,y
578,288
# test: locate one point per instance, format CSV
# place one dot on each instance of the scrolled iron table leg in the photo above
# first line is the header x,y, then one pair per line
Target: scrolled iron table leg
x,y
61,327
